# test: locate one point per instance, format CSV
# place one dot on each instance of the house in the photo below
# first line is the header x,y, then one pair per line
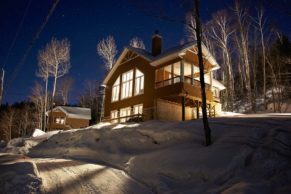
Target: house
x,y
160,85
65,117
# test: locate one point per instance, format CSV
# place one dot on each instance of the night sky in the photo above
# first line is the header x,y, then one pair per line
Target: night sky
x,y
85,23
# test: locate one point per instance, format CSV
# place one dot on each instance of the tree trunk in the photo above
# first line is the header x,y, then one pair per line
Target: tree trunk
x,y
201,68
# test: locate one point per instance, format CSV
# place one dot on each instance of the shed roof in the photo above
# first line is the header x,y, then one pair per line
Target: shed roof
x,y
75,112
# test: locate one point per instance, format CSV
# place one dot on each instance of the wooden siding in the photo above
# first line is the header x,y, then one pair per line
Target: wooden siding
x,y
70,123
146,98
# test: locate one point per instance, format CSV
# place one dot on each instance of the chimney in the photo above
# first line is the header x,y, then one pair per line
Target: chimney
x,y
156,44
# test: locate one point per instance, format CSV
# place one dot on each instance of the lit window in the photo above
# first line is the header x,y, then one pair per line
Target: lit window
x,y
126,88
114,116
57,120
137,109
139,82
115,90
124,112
60,120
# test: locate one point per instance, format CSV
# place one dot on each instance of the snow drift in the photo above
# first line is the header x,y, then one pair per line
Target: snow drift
x,y
248,155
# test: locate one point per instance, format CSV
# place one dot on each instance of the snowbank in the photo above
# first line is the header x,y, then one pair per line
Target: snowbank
x,y
248,155
18,175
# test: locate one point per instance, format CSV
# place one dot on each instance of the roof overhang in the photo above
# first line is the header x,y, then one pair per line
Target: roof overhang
x,y
181,53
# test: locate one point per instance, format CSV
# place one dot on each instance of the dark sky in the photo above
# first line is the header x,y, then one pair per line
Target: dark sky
x,y
84,23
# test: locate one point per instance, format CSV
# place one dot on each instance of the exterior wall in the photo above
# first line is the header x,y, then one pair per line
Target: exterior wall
x,y
167,110
153,106
146,98
69,122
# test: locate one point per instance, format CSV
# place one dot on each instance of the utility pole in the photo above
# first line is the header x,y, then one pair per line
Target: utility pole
x,y
2,85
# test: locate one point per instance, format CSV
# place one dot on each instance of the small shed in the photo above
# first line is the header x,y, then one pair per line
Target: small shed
x,y
67,117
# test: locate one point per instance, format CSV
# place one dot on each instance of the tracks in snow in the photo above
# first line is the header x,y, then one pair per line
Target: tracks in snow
x,y
70,176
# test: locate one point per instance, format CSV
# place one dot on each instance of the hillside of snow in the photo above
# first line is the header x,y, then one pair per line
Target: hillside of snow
x,y
248,155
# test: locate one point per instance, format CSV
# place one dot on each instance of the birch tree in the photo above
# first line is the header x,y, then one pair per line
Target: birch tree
x,y
44,73
106,49
58,60
136,42
38,99
260,22
221,32
242,39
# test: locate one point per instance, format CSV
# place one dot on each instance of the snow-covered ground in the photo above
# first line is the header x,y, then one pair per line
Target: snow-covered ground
x,y
248,155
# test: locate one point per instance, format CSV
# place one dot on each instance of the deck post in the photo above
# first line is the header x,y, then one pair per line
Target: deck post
x,y
183,108
182,70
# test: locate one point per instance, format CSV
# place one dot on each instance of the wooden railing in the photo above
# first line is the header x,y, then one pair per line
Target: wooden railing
x,y
177,79
124,119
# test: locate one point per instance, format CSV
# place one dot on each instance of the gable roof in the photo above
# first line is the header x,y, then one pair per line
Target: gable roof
x,y
75,112
163,57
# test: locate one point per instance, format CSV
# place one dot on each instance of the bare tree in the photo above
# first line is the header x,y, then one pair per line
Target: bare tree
x,y
137,43
7,122
38,99
106,49
64,89
242,39
44,73
90,92
221,32
58,60
260,22
2,85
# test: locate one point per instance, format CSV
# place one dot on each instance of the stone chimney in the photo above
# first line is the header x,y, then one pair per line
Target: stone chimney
x,y
156,44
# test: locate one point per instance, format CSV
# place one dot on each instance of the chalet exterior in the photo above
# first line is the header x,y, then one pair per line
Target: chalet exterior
x,y
65,117
160,85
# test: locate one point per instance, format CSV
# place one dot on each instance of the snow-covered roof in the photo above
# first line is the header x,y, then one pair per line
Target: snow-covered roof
x,y
75,112
163,57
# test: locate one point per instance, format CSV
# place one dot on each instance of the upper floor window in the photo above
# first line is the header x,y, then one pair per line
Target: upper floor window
x,y
115,90
139,82
126,87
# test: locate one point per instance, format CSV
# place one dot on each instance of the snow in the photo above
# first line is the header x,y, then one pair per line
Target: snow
x,y
18,175
249,154
37,132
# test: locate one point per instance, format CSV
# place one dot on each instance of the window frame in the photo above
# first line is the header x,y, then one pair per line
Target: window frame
x,y
115,88
140,86
128,83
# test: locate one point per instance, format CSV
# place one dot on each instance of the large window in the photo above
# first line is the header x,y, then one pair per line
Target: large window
x,y
126,87
114,116
139,82
137,109
125,112
115,90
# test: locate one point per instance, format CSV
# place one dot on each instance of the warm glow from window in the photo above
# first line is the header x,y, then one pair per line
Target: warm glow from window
x,y
114,115
60,120
125,112
137,109
139,82
126,88
115,90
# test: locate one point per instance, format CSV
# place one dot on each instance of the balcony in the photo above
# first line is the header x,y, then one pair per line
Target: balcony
x,y
174,87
